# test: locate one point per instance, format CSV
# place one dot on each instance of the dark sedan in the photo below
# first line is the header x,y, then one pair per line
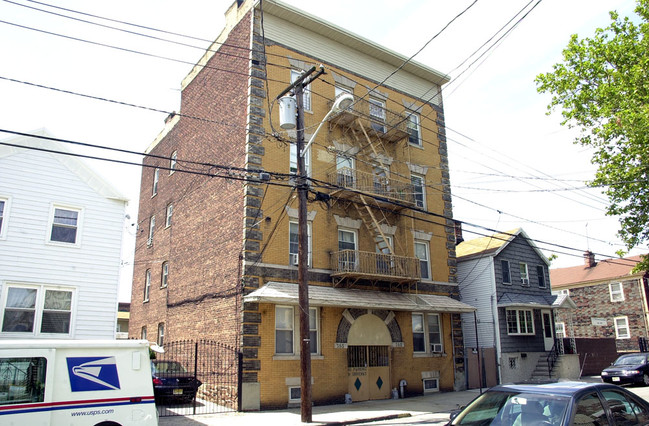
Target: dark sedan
x,y
631,368
171,381
564,403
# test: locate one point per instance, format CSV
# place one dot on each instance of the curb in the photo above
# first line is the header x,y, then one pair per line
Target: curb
x,y
367,420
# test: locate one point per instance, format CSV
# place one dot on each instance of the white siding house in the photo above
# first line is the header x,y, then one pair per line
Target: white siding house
x,y
60,244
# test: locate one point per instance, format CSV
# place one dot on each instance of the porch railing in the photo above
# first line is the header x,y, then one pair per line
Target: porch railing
x,y
361,263
374,184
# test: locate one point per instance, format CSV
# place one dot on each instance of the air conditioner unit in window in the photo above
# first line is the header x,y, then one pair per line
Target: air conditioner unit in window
x,y
293,259
436,347
526,281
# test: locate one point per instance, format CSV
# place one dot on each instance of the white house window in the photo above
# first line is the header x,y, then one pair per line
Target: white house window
x,y
156,176
173,161
520,322
165,275
431,385
347,250
170,210
421,252
507,276
161,334
418,185
427,333
147,285
306,95
65,225
294,394
540,272
293,244
314,321
525,277
37,310
617,292
4,212
560,329
284,328
307,160
149,240
345,171
377,114
414,130
622,328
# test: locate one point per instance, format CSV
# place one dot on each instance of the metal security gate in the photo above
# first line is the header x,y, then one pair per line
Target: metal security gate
x,y
214,364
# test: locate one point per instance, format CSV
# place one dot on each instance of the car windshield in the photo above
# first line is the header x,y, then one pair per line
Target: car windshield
x,y
169,367
630,360
513,408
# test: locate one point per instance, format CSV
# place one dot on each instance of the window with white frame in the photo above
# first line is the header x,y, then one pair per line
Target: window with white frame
x,y
306,95
173,161
622,328
170,210
161,334
525,277
156,177
64,225
37,310
560,329
339,89
149,240
427,333
422,253
540,273
507,276
147,285
314,344
346,250
164,280
418,187
345,172
616,291
431,385
285,319
520,322
294,394
4,212
377,114
293,243
307,160
414,130
143,333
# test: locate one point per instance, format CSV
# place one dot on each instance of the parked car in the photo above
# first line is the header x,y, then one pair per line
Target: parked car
x,y
555,404
171,381
631,368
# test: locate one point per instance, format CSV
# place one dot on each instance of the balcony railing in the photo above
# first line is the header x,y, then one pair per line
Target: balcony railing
x,y
392,127
372,184
368,265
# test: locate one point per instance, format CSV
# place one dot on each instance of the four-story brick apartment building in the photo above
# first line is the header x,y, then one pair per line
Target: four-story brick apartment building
x,y
217,250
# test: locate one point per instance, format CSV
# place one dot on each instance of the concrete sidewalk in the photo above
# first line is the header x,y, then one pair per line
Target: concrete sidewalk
x,y
339,414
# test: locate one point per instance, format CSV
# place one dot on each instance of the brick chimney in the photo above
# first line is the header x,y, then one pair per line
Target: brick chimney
x,y
589,259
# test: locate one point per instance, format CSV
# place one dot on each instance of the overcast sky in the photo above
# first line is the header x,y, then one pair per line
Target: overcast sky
x,y
511,164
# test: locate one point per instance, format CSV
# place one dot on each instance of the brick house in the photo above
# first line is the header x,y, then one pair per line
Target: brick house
x,y
216,255
611,300
505,276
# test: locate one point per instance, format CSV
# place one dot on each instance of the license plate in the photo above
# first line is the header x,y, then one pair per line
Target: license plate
x,y
616,379
180,391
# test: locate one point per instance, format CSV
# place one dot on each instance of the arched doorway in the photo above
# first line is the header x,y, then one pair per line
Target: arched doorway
x,y
368,358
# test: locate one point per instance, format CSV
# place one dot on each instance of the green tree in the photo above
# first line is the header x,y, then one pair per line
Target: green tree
x,y
602,88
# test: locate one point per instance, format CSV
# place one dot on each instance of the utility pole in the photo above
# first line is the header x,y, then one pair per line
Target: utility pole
x,y
303,247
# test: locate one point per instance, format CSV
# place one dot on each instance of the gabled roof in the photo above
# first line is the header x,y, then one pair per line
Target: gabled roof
x,y
74,164
604,270
492,245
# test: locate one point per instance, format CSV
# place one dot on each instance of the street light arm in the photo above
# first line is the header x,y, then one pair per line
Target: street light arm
x,y
343,101
312,138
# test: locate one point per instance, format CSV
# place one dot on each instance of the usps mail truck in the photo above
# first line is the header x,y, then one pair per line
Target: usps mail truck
x,y
76,382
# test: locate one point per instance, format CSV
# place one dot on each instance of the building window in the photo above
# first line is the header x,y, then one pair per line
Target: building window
x,y
306,95
520,322
507,276
161,334
540,272
525,278
149,240
418,185
65,225
431,385
165,275
143,333
414,130
173,161
293,244
4,212
307,160
170,210
421,252
156,176
346,250
560,329
622,328
147,285
345,172
284,320
427,333
616,291
377,115
37,310
294,394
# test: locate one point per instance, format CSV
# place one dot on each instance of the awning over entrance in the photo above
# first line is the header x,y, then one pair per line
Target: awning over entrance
x,y
510,300
287,293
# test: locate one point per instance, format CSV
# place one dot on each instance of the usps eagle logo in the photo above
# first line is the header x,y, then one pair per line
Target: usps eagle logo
x,y
93,373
